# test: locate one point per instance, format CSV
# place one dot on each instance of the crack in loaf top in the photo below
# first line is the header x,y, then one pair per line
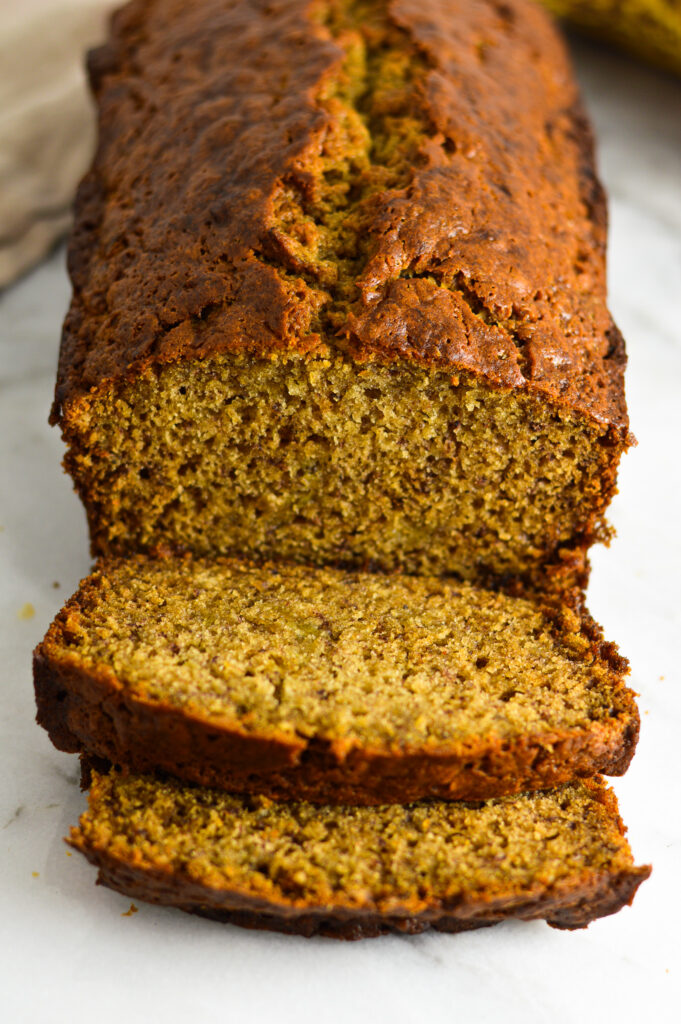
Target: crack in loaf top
x,y
407,180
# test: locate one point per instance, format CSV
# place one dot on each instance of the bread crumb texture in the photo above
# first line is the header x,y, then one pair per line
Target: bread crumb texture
x,y
386,661
410,856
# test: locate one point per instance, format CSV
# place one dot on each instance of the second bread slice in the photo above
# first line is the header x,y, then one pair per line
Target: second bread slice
x,y
353,872
330,686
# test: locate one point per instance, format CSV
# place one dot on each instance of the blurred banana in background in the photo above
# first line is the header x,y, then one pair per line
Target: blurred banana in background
x,y
648,28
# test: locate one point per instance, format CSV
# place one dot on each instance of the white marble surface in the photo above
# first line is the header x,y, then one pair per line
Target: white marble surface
x,y
64,943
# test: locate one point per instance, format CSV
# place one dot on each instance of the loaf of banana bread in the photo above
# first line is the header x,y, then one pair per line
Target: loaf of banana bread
x,y
339,290
351,872
330,686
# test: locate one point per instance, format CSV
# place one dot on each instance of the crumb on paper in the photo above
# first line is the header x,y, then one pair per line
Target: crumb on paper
x,y
36,874
56,584
129,913
68,853
27,611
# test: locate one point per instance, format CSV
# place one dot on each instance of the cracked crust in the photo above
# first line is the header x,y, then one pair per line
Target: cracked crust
x,y
488,259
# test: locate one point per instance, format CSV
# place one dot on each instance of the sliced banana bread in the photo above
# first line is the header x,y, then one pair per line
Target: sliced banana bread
x,y
355,871
328,685
339,289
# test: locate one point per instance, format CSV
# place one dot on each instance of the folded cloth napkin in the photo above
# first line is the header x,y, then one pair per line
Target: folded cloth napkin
x,y
46,121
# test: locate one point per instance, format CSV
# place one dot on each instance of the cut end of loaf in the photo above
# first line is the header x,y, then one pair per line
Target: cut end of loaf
x,y
356,315
326,462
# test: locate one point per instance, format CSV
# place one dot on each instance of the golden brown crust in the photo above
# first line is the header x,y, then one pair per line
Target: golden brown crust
x,y
570,904
490,260
89,709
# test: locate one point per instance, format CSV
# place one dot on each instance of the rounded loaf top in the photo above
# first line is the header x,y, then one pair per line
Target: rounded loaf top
x,y
401,181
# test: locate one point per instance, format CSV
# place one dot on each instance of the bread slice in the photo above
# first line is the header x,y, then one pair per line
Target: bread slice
x,y
339,290
351,872
330,685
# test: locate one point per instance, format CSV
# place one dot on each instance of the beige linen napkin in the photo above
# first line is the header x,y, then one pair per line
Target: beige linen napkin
x,y
46,121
